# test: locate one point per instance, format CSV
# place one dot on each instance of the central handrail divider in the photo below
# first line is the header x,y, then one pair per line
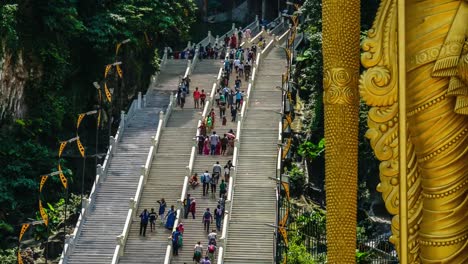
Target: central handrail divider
x,y
134,202
208,105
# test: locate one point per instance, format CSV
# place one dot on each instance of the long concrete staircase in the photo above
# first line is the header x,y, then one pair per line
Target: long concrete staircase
x,y
97,240
251,238
168,170
194,230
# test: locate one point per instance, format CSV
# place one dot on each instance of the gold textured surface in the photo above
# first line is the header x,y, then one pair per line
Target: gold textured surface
x,y
437,124
341,103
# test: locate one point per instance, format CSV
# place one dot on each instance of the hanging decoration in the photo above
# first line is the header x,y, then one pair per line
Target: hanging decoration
x,y
43,212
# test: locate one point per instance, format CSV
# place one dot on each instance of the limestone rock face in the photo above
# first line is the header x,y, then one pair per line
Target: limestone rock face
x,y
14,74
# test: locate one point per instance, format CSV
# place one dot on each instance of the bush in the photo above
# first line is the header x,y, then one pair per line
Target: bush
x,y
297,253
296,181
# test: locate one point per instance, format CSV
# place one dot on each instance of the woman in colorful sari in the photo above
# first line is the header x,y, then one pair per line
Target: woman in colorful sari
x,y
170,218
213,117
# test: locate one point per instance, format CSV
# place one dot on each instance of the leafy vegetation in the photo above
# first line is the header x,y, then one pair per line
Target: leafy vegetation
x,y
64,45
297,252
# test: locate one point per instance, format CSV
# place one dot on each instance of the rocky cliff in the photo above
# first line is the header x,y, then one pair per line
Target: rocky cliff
x,y
15,73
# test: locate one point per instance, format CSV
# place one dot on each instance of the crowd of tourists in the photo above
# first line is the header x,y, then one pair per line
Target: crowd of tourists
x,y
219,176
237,62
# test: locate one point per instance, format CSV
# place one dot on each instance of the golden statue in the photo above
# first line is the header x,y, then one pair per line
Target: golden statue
x,y
341,102
435,212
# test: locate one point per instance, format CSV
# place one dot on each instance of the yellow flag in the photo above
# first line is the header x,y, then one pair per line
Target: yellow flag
x,y
62,147
108,94
295,20
286,148
43,181
44,216
117,48
24,227
108,68
119,71
286,189
20,259
284,234
80,147
63,179
288,121
99,118
80,118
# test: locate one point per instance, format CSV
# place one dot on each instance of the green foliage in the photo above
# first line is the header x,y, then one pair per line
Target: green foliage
x,y
296,180
8,25
363,257
312,224
156,62
56,214
8,256
297,252
310,150
65,45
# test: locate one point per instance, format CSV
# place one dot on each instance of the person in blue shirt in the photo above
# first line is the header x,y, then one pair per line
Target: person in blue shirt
x,y
238,99
162,209
144,222
175,242
170,218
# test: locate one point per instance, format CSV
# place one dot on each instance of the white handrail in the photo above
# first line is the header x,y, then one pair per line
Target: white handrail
x,y
219,74
269,46
280,129
187,71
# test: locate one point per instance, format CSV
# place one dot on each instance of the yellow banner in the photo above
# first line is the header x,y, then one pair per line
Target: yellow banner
x,y
119,71
80,147
108,68
284,234
286,148
99,118
288,121
117,48
43,181
20,259
44,216
62,147
24,227
286,189
63,179
108,94
80,118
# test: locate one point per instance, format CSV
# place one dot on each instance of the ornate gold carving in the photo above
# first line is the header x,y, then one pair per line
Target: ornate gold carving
x,y
341,71
437,144
379,89
339,86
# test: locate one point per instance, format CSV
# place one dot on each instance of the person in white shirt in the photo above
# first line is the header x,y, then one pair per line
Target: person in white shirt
x,y
241,69
236,65
212,237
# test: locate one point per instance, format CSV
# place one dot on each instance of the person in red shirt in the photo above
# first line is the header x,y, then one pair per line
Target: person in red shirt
x,y
202,98
196,98
233,42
